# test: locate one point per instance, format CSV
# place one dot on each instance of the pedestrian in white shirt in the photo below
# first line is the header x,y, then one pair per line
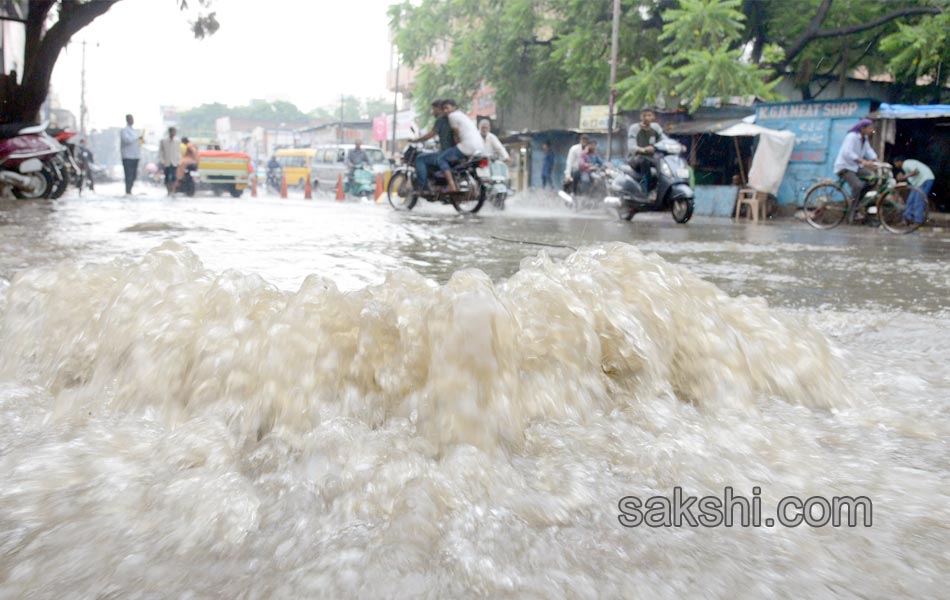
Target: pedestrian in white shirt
x,y
130,141
468,142
493,146
169,157
572,169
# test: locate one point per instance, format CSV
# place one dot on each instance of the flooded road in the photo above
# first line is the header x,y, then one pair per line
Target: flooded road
x,y
265,398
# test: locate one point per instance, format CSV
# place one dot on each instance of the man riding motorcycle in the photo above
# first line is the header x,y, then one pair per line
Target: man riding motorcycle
x,y
469,143
641,138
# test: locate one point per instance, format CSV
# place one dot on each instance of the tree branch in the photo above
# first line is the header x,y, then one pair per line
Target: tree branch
x,y
813,32
73,17
904,12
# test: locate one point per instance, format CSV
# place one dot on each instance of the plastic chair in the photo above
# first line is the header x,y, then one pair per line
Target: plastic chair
x,y
755,200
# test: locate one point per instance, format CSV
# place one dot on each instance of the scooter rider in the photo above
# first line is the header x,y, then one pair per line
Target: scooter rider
x,y
493,146
354,158
469,143
641,138
430,160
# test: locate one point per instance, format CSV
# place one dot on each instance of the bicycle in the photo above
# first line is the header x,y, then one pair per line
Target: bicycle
x,y
826,204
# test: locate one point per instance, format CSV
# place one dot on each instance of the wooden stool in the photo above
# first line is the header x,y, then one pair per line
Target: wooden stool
x,y
755,200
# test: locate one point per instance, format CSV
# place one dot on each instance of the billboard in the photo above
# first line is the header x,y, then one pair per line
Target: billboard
x,y
595,118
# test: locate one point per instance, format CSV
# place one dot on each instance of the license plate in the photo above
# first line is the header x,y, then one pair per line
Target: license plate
x,y
483,173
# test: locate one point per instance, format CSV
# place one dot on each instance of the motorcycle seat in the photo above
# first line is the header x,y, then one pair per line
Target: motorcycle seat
x,y
9,130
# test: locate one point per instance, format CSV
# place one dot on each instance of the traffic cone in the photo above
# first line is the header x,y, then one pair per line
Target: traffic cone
x,y
254,187
340,195
379,186
307,190
283,187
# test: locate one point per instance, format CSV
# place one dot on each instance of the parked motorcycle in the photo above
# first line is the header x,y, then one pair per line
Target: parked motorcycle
x,y
63,165
471,177
499,190
666,187
25,154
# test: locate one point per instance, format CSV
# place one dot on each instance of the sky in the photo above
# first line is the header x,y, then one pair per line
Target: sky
x,y
305,51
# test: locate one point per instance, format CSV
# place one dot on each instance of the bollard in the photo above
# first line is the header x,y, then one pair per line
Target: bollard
x,y
307,190
283,187
340,195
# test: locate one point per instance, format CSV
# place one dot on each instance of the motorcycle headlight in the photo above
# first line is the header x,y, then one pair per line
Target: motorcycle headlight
x,y
665,169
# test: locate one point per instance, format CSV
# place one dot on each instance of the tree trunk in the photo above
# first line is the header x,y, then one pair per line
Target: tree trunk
x,y
21,103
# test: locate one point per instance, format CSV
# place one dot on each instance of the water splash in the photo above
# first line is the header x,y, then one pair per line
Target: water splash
x,y
468,362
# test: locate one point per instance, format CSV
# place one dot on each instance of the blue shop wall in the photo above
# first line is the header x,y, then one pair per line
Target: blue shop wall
x,y
819,129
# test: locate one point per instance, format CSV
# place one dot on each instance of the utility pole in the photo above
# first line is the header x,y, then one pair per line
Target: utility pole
x,y
82,95
615,35
395,104
341,119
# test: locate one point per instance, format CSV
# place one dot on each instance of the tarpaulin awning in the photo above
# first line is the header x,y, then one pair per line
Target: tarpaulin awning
x,y
700,126
771,155
911,111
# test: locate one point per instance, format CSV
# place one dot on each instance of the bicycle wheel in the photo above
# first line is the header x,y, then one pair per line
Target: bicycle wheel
x,y
399,191
826,205
891,207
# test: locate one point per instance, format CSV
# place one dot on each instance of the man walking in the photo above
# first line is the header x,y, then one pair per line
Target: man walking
x,y
169,157
572,168
130,142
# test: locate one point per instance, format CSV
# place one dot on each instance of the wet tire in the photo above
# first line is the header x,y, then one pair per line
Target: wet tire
x,y
43,186
399,191
472,200
890,210
826,205
60,176
187,186
235,193
681,209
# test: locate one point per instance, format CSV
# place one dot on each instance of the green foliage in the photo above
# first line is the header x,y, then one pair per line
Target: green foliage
x,y
920,50
704,58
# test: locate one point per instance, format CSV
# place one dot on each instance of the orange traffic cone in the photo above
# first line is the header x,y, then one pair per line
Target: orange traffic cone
x,y
283,187
254,188
379,187
307,190
340,195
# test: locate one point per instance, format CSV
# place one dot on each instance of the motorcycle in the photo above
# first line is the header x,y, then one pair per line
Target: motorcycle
x,y
25,154
499,190
189,180
63,165
667,186
361,183
589,192
275,177
471,177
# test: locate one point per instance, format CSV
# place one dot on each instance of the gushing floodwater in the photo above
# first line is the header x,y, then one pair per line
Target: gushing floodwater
x,y
173,430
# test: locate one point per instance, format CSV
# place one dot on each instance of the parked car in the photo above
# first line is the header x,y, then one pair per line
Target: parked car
x,y
329,162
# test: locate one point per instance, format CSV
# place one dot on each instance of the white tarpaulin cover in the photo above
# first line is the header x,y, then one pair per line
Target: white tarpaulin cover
x,y
771,156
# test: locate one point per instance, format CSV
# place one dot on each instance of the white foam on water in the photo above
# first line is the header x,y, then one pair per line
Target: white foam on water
x,y
174,431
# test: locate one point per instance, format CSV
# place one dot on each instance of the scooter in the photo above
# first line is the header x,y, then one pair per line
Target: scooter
x,y
63,165
361,183
189,180
499,188
25,151
667,186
